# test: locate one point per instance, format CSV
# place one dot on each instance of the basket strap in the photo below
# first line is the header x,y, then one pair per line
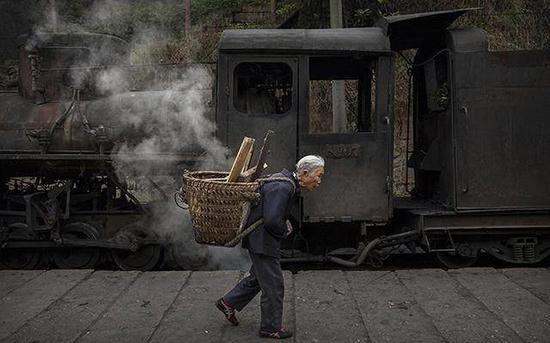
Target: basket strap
x,y
179,199
243,233
278,178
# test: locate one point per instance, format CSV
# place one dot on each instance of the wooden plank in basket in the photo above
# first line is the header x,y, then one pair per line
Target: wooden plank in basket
x,y
242,157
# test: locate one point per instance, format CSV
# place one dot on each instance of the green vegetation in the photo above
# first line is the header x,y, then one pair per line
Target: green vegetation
x,y
511,24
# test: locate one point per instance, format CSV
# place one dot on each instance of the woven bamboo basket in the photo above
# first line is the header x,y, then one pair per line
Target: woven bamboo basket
x,y
219,209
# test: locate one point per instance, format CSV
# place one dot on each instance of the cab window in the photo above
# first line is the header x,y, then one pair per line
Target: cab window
x,y
348,79
262,88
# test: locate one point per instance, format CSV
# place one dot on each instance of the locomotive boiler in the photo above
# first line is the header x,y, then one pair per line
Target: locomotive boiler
x,y
61,195
479,148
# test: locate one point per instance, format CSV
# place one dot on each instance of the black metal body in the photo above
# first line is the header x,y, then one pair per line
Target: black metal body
x,y
479,130
502,129
360,162
480,134
59,189
480,144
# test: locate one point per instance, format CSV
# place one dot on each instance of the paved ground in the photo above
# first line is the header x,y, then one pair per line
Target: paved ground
x,y
429,305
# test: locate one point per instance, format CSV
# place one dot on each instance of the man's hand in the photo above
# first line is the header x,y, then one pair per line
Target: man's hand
x,y
289,228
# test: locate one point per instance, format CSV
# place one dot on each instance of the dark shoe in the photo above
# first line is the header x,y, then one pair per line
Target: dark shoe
x,y
281,334
228,311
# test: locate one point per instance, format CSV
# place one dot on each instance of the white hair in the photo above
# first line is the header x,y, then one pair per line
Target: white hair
x,y
310,163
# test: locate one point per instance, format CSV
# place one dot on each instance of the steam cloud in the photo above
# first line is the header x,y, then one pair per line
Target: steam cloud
x,y
168,119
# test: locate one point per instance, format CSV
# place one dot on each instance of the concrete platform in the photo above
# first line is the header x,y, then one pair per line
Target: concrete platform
x,y
426,305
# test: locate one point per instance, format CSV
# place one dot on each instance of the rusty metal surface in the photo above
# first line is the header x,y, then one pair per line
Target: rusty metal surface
x,y
22,122
50,62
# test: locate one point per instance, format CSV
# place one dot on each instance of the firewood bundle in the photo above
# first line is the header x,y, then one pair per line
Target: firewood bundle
x,y
241,171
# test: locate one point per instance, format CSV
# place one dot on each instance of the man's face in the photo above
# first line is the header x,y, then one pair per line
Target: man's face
x,y
310,179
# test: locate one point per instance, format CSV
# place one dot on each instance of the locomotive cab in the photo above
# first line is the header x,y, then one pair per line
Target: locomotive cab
x,y
286,80
479,134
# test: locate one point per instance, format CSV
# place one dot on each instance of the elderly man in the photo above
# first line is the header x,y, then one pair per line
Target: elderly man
x,y
264,245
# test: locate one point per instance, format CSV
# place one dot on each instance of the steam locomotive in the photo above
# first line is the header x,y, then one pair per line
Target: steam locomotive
x,y
480,147
62,197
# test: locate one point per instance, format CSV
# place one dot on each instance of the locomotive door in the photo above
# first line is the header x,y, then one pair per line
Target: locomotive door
x,y
357,182
502,130
260,96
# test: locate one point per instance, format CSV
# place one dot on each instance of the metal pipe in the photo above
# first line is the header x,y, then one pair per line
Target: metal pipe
x,y
355,261
399,238
361,258
303,259
362,250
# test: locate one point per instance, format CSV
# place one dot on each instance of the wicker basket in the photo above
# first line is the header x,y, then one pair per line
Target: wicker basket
x,y
219,209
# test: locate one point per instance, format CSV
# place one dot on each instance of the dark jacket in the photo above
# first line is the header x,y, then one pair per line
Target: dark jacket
x,y
276,200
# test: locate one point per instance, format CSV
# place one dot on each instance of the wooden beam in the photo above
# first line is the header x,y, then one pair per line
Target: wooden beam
x,y
247,175
241,159
246,164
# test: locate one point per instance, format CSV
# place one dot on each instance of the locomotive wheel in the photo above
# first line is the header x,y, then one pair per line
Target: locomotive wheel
x,y
78,257
455,261
21,258
145,258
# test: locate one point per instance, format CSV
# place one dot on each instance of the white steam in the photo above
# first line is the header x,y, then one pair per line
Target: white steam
x,y
112,81
153,123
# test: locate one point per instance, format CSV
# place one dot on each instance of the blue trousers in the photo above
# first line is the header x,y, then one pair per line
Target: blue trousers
x,y
265,275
